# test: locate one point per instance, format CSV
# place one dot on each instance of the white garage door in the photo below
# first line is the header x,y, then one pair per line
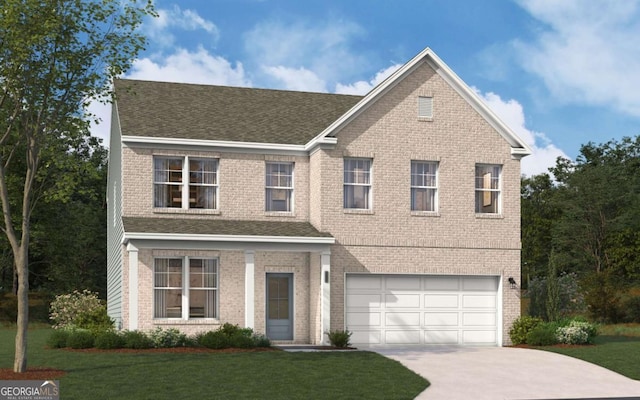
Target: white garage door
x,y
422,309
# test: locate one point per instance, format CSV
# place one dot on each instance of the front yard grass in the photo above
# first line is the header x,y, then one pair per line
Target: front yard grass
x,y
265,375
617,348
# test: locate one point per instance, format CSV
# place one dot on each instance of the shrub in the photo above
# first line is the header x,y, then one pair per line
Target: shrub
x,y
80,339
603,294
631,309
58,339
520,329
214,340
576,332
96,320
136,340
109,340
542,335
339,338
260,340
66,308
242,340
171,337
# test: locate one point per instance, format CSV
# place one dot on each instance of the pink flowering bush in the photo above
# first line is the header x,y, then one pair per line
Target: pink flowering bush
x,y
70,310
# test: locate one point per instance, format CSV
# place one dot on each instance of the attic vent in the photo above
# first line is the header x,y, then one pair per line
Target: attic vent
x,y
425,107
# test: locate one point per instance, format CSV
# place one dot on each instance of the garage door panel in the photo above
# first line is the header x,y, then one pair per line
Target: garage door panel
x,y
366,337
441,319
478,319
478,337
395,319
402,283
402,300
373,282
441,301
478,301
441,337
402,337
363,319
480,283
364,300
441,283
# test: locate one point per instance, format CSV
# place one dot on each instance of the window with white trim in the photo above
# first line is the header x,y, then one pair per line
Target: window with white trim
x,y
488,189
185,182
279,186
424,186
357,183
185,288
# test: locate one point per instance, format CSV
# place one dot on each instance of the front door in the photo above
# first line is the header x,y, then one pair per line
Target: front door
x,y
280,306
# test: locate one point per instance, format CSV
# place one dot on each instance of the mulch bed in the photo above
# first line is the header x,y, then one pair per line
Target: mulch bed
x,y
32,373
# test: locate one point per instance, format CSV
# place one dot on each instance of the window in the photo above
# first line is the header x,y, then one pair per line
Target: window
x,y
279,186
185,293
425,107
357,183
424,186
488,189
173,190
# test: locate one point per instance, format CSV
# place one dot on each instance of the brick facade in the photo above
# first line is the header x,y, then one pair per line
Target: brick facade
x,y
388,239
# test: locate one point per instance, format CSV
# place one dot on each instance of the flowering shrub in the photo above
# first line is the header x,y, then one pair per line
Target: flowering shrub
x,y
171,337
66,309
577,332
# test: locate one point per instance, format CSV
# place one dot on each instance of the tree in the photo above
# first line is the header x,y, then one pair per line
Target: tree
x,y
56,56
539,213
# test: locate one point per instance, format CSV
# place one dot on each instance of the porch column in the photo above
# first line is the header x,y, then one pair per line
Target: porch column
x,y
325,292
133,286
249,289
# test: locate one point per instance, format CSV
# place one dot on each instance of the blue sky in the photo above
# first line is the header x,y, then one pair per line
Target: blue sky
x,y
559,73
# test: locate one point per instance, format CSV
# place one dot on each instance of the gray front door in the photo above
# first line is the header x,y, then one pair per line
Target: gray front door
x,y
280,306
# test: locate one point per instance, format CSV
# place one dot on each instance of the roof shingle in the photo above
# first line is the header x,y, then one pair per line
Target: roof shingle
x,y
191,226
205,112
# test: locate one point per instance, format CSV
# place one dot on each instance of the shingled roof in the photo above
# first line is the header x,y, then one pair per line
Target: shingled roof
x,y
205,112
190,226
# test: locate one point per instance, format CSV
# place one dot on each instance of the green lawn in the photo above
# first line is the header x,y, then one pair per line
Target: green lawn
x,y
617,353
267,375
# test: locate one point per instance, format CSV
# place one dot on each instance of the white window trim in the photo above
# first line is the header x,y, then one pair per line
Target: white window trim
x,y
498,190
186,182
370,185
436,202
291,189
186,288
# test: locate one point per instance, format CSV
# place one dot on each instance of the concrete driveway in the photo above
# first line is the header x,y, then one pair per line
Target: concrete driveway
x,y
509,373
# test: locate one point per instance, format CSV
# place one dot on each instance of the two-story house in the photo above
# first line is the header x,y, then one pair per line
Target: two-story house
x,y
395,215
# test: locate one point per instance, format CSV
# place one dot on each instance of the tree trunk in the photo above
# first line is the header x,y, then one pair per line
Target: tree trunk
x,y
22,268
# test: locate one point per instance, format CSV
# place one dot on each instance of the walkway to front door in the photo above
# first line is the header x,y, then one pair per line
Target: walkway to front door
x,y
280,306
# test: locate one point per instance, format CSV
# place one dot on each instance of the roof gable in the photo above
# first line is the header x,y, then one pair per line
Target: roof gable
x,y
519,147
220,113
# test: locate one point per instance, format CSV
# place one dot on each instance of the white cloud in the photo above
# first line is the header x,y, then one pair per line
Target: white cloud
x,y
586,51
364,87
300,79
103,113
322,47
158,30
191,67
544,153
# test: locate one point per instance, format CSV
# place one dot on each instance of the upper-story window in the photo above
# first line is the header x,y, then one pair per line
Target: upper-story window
x,y
425,107
185,182
488,189
279,186
357,183
424,186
